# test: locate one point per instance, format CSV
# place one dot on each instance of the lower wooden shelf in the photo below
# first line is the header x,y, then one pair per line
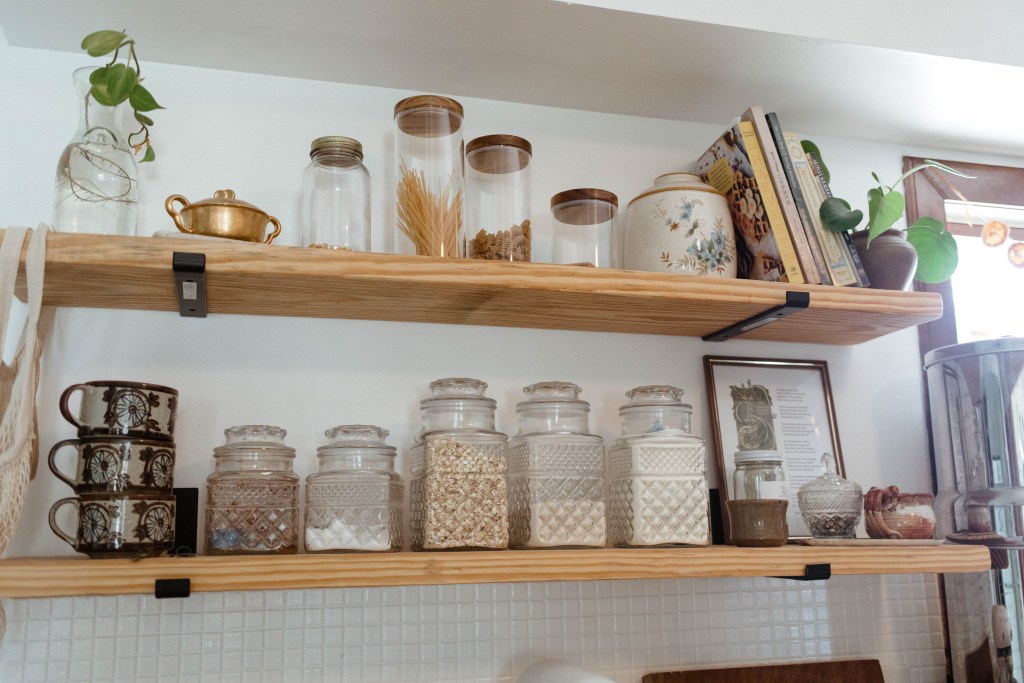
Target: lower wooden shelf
x,y
73,576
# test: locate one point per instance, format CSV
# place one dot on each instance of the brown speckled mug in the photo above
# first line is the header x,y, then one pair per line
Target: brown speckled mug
x,y
118,408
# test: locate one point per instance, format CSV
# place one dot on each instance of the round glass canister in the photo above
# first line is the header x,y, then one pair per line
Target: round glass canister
x,y
498,198
459,488
354,503
830,505
584,223
428,173
556,487
759,476
335,208
680,225
252,498
657,484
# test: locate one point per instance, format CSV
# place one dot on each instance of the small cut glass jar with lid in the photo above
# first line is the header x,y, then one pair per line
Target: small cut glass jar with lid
x,y
556,487
657,484
335,209
498,198
354,503
252,497
459,462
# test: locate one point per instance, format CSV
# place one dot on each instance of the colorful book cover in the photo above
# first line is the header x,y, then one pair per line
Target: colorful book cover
x,y
726,167
837,257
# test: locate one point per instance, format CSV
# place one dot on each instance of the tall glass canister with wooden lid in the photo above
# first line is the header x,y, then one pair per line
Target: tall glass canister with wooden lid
x,y
429,176
584,226
498,198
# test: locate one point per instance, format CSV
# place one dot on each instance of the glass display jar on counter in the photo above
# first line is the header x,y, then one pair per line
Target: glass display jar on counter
x,y
759,476
498,198
252,498
657,484
429,176
584,224
556,484
354,503
335,209
459,490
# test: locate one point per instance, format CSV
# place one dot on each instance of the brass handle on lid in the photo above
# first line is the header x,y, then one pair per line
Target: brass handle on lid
x,y
174,213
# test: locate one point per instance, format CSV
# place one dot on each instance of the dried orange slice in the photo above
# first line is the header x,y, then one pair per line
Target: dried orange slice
x,y
994,233
1016,254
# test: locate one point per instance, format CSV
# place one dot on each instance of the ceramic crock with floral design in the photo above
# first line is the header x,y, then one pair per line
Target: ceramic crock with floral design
x,y
680,225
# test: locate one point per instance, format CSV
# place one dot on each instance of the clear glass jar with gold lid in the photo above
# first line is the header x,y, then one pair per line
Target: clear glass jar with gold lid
x,y
335,208
354,503
459,487
252,498
556,468
498,198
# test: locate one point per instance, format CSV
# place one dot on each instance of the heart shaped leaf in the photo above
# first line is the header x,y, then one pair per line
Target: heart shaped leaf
x,y
120,81
884,209
141,100
836,215
102,42
937,256
150,155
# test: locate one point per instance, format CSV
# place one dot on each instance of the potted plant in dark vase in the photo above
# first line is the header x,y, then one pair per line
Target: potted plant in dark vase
x,y
892,257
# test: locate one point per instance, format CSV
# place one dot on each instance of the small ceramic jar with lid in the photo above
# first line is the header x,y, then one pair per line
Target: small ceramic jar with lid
x,y
459,462
252,498
335,208
584,225
830,505
657,484
498,198
354,503
556,484
680,225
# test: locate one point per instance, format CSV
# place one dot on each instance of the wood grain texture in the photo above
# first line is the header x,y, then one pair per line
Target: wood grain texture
x,y
848,671
99,271
52,577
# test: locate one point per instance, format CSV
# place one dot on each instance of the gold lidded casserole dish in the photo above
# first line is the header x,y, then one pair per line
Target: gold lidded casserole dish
x,y
223,216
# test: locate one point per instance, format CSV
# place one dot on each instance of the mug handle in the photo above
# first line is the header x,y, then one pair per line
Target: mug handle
x,y
875,524
70,540
174,213
277,231
53,465
64,410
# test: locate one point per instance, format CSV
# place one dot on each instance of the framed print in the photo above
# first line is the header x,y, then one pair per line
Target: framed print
x,y
777,405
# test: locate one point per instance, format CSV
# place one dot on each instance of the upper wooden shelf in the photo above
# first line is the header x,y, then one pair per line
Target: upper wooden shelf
x,y
57,577
135,273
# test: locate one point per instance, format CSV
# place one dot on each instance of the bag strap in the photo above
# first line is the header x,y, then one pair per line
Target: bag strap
x,y
10,260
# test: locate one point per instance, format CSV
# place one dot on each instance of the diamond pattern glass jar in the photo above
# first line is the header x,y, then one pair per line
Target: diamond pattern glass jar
x,y
459,490
657,484
354,503
556,487
252,498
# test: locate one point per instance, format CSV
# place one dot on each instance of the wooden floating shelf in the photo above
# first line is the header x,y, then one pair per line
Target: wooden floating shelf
x,y
99,271
57,577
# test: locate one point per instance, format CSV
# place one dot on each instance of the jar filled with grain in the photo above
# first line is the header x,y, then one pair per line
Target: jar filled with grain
x,y
498,198
459,491
556,487
354,503
657,484
252,498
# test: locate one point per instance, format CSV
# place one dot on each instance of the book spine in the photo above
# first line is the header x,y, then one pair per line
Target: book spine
x,y
772,209
833,248
784,194
782,146
847,241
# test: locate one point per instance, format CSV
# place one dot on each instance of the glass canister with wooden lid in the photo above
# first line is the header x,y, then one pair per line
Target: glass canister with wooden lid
x,y
498,198
429,176
584,226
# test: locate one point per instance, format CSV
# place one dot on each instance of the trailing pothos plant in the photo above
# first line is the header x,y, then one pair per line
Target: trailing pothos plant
x,y
936,248
118,82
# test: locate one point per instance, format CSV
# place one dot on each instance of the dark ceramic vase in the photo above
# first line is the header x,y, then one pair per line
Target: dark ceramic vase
x,y
890,261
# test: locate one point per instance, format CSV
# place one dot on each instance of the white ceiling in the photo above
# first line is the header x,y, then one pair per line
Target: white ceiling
x,y
957,84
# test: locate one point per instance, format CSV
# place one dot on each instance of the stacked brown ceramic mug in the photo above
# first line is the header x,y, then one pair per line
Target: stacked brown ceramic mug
x,y
124,468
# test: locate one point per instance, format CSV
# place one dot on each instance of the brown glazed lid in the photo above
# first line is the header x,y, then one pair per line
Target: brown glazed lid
x,y
568,206
492,153
428,116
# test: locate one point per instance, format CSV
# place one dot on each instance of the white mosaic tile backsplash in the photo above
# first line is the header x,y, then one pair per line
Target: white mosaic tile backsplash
x,y
486,632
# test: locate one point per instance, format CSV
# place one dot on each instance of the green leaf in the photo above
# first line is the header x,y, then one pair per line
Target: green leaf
x,y
937,256
929,223
150,155
100,94
836,215
884,209
99,76
103,42
120,81
811,148
141,100
143,119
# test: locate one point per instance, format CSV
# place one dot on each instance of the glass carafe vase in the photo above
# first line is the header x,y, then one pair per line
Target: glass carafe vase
x,y
97,185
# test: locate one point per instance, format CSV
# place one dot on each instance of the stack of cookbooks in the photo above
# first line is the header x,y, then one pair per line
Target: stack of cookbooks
x,y
774,189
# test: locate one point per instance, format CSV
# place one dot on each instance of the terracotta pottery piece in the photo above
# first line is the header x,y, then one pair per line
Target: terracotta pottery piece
x,y
891,514
890,261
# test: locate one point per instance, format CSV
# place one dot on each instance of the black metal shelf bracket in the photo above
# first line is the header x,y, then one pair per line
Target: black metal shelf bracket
x,y
190,283
795,302
812,572
172,588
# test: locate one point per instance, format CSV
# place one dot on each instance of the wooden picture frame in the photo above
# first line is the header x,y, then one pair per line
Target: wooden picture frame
x,y
769,404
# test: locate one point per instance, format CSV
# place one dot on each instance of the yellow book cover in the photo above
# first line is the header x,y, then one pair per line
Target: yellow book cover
x,y
771,204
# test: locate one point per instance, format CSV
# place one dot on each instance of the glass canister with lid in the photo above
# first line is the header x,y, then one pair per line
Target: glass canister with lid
x,y
335,208
498,198
459,462
556,487
252,498
759,475
354,503
657,483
